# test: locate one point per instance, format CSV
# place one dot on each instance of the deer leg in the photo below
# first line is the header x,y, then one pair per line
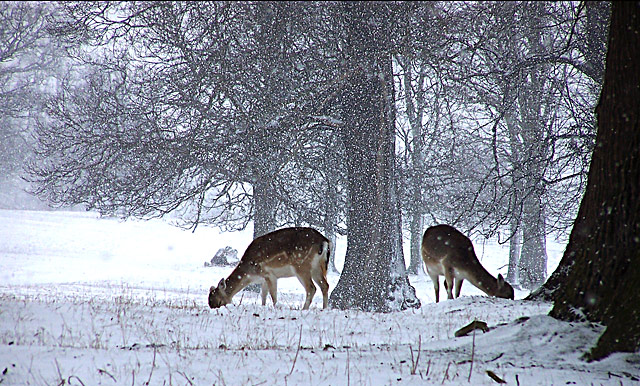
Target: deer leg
x,y
321,280
309,287
271,284
436,284
448,282
458,287
263,292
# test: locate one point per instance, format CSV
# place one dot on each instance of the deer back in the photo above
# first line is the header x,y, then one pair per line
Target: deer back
x,y
443,244
285,247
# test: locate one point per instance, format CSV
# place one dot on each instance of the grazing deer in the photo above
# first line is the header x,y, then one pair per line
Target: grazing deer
x,y
300,252
448,252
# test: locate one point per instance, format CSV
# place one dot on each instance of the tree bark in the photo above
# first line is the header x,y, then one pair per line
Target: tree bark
x,y
374,276
416,244
516,193
514,251
415,207
330,223
597,13
599,275
264,216
532,265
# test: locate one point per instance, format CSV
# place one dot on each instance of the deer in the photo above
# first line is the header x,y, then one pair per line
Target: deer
x,y
447,252
299,251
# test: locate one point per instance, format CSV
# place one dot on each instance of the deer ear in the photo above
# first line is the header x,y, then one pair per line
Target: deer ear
x,y
212,289
222,285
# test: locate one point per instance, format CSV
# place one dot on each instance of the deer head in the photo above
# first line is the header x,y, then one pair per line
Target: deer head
x,y
218,296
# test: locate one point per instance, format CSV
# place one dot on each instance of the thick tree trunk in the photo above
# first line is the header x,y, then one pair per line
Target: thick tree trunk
x,y
516,194
374,276
415,210
416,243
264,213
264,207
598,13
330,219
527,253
599,274
532,264
331,235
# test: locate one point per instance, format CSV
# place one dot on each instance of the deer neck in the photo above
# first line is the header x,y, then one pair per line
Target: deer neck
x,y
482,279
237,281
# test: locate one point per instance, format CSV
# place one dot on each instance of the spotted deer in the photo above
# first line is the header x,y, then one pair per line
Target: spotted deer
x,y
301,252
449,253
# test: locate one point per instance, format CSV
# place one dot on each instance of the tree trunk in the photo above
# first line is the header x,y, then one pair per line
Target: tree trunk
x,y
597,13
331,235
532,265
599,274
330,219
374,276
527,261
415,206
516,193
514,251
264,207
416,244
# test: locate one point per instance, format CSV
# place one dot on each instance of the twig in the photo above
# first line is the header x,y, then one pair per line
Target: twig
x,y
221,378
473,350
496,358
185,377
496,378
153,365
76,377
103,371
62,381
475,325
297,351
446,373
348,373
414,364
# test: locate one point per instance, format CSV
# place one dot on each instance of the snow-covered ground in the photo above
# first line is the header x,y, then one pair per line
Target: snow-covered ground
x,y
92,301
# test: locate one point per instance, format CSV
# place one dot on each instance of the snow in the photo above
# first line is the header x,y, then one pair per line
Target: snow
x,y
98,301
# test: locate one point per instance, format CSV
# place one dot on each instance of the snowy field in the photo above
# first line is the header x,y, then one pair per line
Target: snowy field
x,y
91,301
